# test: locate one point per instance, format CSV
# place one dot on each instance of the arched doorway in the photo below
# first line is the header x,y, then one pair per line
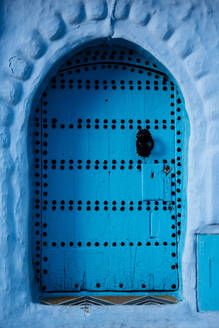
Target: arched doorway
x,y
109,145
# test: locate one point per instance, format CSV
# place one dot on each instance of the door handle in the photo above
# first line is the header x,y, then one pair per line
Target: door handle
x,y
144,143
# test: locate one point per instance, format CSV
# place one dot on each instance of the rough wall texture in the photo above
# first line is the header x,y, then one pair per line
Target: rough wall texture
x,y
183,35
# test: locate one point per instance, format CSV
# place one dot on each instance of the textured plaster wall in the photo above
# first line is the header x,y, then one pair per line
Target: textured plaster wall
x,y
34,34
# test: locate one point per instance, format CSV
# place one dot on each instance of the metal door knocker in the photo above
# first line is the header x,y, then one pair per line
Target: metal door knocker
x,y
144,143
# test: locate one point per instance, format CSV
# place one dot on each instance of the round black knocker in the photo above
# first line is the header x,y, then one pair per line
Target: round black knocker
x,y
144,143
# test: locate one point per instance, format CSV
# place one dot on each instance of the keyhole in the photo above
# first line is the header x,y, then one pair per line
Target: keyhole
x,y
152,175
166,169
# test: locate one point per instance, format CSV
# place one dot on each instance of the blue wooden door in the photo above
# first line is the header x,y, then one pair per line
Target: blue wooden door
x,y
107,219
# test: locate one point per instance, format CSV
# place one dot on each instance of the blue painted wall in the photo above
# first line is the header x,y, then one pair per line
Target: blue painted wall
x,y
183,36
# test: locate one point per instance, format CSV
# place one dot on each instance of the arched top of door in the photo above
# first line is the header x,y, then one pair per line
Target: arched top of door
x,y
117,54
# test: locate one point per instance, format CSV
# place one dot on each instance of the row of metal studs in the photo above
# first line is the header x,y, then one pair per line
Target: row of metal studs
x,y
114,244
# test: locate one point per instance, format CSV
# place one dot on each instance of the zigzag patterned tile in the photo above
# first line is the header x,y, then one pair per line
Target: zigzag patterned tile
x,y
110,300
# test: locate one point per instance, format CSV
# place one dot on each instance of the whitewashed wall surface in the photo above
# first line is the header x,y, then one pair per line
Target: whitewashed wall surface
x,y
34,34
